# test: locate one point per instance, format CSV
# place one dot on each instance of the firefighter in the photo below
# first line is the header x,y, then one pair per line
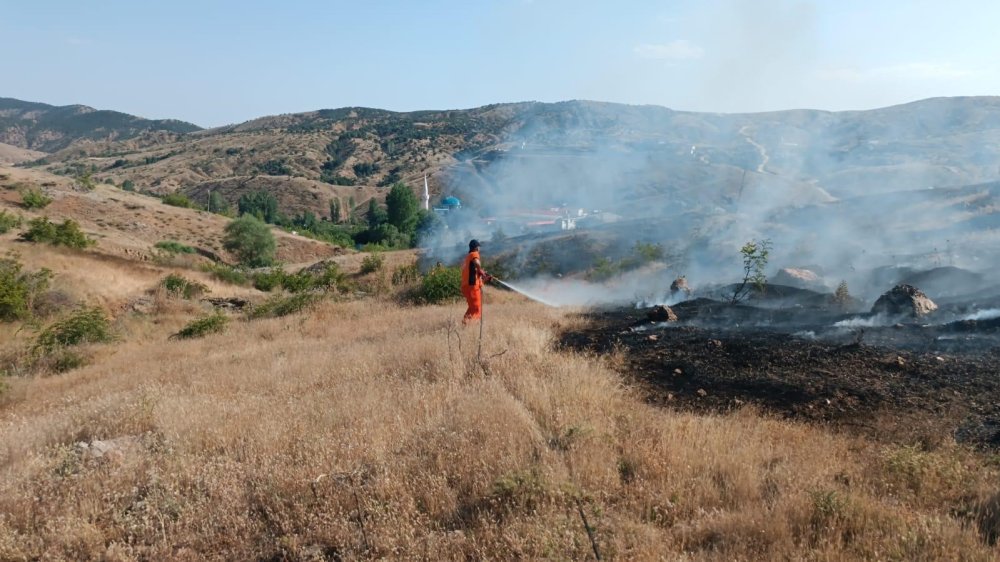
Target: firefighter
x,y
473,278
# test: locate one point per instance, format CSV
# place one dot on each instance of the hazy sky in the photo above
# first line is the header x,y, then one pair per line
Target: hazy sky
x,y
218,62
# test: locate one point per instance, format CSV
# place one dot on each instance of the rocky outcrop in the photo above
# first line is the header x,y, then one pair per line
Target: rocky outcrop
x,y
904,301
799,278
661,314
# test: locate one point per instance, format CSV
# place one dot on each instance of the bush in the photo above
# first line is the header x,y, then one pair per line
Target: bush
x,y
372,262
85,325
406,274
178,286
251,241
298,282
227,274
8,221
441,284
200,327
128,185
18,290
179,200
278,305
32,198
269,280
66,234
174,247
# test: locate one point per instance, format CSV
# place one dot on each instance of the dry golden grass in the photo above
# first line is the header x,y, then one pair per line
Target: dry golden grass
x,y
364,429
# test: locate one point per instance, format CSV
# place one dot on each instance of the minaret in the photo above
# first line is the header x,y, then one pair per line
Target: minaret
x,y
427,195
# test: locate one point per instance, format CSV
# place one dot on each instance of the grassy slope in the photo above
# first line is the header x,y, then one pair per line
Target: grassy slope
x,y
127,225
269,440
364,428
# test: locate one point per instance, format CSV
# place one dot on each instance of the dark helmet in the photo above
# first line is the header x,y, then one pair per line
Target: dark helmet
x,y
473,245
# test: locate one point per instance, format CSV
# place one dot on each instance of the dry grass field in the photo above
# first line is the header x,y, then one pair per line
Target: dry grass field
x,y
128,224
367,429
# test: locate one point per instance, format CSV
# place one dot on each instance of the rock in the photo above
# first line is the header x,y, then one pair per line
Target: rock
x,y
229,303
111,449
904,300
661,314
680,285
702,392
799,278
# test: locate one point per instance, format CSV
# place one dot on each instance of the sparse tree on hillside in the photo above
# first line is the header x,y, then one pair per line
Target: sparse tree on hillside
x,y
86,181
335,209
260,204
402,208
351,204
376,215
755,255
251,241
217,204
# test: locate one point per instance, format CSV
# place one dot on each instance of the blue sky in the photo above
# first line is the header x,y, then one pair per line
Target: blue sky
x,y
218,62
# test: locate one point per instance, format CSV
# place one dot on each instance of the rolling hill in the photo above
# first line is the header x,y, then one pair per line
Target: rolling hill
x,y
633,159
46,128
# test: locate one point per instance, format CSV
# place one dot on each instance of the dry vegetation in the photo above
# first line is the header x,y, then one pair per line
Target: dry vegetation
x,y
365,429
128,225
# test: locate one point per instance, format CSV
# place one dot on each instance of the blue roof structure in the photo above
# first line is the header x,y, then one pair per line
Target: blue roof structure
x,y
451,201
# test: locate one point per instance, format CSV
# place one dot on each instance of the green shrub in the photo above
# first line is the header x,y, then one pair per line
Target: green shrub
x,y
18,290
8,221
372,262
279,305
441,284
251,241
603,269
331,278
33,198
178,286
85,325
128,185
269,280
66,234
174,247
179,200
211,324
66,360
299,282
227,274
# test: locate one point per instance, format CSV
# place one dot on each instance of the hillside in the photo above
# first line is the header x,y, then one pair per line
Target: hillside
x,y
368,425
47,128
631,159
128,225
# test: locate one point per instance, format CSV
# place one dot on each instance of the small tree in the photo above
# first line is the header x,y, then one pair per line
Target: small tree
x,y
260,204
402,208
33,198
842,296
376,215
128,185
251,241
335,209
217,203
755,255
86,180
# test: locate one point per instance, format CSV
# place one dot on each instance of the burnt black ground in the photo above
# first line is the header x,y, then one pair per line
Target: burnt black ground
x,y
906,383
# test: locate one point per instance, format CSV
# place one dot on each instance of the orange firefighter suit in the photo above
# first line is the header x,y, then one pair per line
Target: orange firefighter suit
x,y
472,286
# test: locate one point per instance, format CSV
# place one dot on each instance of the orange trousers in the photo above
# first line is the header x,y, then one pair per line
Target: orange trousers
x,y
473,296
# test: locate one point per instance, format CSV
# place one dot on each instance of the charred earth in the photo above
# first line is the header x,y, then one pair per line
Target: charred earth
x,y
796,354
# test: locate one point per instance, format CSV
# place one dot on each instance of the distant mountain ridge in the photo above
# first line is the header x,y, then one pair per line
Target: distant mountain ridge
x,y
632,159
48,128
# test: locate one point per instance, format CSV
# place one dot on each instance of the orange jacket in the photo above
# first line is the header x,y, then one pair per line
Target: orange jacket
x,y
472,276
